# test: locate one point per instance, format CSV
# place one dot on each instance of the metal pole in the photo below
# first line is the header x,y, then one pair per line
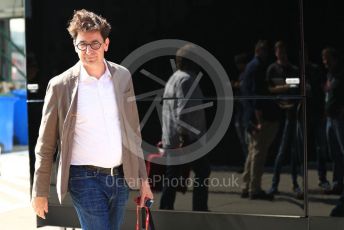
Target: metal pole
x,y
304,107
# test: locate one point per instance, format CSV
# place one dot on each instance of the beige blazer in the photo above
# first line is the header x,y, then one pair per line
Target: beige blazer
x,y
58,124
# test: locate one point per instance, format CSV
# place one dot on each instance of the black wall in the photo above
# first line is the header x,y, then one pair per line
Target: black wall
x,y
224,28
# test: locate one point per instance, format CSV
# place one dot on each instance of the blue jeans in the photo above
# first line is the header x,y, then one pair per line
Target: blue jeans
x,y
318,129
292,139
335,135
99,199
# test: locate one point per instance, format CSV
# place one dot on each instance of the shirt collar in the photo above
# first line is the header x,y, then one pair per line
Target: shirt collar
x,y
84,76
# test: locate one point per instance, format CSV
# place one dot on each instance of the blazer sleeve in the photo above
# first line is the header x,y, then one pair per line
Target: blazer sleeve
x,y
46,144
137,133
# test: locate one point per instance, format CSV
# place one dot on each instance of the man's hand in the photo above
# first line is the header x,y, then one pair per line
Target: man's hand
x,y
259,127
40,206
256,129
145,192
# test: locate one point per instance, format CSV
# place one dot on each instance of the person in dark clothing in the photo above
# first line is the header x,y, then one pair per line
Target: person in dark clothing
x,y
277,74
334,108
259,127
316,119
181,126
330,59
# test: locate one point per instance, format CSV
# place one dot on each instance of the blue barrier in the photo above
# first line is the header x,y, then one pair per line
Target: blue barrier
x,y
6,122
20,117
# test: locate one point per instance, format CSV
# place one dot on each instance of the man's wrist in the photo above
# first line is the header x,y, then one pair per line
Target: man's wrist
x,y
144,182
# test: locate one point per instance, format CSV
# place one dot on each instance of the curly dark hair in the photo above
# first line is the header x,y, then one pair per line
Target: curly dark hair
x,y
84,21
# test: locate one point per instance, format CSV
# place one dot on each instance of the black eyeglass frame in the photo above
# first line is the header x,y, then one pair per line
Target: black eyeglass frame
x,y
98,45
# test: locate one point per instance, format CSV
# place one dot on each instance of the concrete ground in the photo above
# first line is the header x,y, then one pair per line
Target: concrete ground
x,y
15,211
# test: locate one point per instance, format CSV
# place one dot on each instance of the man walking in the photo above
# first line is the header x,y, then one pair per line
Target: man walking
x,y
89,117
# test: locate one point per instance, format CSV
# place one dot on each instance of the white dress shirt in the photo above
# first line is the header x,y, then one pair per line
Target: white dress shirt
x,y
97,138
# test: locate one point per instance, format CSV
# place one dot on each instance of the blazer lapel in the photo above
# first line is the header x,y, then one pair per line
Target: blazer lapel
x,y
72,84
119,100
115,81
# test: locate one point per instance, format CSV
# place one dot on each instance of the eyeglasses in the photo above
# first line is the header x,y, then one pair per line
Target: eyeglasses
x,y
83,46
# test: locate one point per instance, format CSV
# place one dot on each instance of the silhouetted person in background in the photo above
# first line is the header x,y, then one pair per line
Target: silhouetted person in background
x,y
333,106
316,119
277,74
181,128
260,125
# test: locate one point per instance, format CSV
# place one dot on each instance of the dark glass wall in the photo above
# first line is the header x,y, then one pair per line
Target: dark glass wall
x,y
224,30
323,29
229,31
